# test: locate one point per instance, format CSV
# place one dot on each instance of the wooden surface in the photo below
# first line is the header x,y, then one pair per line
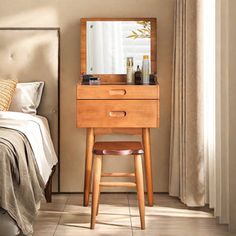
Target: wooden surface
x,y
128,107
148,164
96,189
117,148
140,190
121,77
118,184
118,92
118,175
136,113
129,131
118,116
48,188
88,164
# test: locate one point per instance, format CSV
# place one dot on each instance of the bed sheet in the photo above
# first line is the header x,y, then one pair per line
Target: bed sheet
x,y
36,129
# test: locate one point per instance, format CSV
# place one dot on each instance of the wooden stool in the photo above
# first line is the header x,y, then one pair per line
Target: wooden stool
x,y
101,149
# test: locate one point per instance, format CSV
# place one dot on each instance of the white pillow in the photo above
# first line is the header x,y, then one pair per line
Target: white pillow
x,y
27,97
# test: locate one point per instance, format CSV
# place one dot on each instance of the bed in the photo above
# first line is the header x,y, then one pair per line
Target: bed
x,y
31,55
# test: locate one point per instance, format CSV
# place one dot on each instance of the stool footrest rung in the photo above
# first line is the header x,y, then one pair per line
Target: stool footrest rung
x,y
118,184
118,175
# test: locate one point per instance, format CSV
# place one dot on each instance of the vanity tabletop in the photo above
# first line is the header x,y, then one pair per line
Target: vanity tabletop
x,y
120,83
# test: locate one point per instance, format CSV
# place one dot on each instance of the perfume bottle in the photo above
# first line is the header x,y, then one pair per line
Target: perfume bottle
x,y
138,76
145,69
130,72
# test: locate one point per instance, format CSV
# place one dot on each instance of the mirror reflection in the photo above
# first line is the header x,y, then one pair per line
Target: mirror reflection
x,y
109,43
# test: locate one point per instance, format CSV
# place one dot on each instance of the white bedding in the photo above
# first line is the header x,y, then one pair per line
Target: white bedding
x,y
37,131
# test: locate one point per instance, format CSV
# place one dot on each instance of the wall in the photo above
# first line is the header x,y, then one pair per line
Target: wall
x,y
232,115
226,53
66,14
222,116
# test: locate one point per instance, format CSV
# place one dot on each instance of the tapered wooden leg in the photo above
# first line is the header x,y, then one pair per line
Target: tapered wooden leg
x,y
96,189
140,188
98,203
148,164
88,164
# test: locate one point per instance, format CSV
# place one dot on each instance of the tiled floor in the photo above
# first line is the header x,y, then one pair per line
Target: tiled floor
x,y
118,216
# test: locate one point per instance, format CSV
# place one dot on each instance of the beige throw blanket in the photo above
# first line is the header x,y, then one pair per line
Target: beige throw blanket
x,y
21,185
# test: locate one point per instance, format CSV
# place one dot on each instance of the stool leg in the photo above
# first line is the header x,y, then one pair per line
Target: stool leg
x,y
140,189
96,189
98,202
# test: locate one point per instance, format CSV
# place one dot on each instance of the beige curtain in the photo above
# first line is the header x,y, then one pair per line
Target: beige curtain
x,y
187,173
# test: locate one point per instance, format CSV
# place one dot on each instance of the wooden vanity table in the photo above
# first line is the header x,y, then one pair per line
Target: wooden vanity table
x,y
115,107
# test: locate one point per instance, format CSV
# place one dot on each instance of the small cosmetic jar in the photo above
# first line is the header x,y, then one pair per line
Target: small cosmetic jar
x,y
94,81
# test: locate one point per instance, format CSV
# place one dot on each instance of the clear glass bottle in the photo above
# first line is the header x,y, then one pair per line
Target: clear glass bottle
x,y
130,71
145,69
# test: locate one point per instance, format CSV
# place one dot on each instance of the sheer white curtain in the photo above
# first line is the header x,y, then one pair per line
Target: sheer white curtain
x,y
208,53
199,156
105,48
215,140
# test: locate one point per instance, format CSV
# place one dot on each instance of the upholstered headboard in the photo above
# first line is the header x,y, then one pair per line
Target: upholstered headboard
x,y
32,54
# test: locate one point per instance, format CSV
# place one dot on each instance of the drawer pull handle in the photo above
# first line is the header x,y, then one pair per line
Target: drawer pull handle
x,y
114,92
117,113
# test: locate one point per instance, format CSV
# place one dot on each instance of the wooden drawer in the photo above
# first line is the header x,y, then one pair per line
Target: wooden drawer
x,y
117,91
118,113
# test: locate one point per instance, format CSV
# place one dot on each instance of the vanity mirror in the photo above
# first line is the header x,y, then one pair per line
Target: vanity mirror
x,y
107,42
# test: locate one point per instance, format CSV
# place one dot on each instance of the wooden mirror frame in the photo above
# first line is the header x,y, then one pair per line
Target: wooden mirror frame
x,y
115,77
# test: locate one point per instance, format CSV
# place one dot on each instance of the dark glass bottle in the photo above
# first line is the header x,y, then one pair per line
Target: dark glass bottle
x,y
138,76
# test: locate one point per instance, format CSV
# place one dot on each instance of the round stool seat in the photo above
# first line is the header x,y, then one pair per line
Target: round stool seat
x,y
118,148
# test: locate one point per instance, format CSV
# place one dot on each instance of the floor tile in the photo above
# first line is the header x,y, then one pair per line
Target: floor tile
x,y
46,223
119,216
172,212
76,199
38,233
181,232
95,232
58,203
118,199
169,225
53,207
103,221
